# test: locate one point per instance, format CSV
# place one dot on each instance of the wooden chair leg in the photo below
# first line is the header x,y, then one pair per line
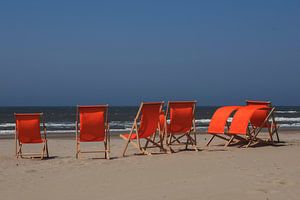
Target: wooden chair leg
x,y
193,142
210,140
229,141
19,153
270,134
126,146
187,143
47,151
251,140
43,151
168,144
276,131
77,149
107,154
105,150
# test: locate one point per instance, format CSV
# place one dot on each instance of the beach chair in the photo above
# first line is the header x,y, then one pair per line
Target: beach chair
x,y
145,126
219,124
249,120
258,119
92,126
28,131
182,124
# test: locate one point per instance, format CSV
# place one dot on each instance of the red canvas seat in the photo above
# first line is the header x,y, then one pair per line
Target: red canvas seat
x,y
259,116
145,126
92,126
182,124
219,122
28,131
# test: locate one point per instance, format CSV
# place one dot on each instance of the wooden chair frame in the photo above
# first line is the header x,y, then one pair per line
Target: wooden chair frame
x,y
150,139
171,138
106,140
44,152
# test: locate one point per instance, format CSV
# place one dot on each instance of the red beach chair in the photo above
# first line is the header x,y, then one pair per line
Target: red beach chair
x,y
249,120
219,122
182,124
28,131
258,119
92,126
145,126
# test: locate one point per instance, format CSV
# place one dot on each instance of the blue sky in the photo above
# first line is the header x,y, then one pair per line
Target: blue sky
x,y
124,52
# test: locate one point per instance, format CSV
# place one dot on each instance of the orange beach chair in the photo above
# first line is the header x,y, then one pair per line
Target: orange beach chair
x,y
28,131
259,116
145,126
182,124
264,118
249,120
219,124
92,126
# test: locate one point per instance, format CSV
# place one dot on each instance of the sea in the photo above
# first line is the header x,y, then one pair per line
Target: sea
x,y
61,120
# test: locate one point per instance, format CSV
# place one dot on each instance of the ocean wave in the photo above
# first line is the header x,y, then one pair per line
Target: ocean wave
x,y
10,132
63,124
120,130
7,125
294,125
7,132
286,111
202,121
287,119
125,126
128,124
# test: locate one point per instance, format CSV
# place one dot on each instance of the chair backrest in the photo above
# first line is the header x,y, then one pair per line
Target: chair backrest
x,y
181,115
149,114
259,116
240,121
219,119
28,127
93,122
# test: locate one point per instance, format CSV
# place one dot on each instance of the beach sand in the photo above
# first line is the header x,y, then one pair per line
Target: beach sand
x,y
265,172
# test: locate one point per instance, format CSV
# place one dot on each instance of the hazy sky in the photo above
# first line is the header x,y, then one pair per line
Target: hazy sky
x,y
124,52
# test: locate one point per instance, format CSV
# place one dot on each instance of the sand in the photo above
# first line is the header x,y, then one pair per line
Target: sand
x,y
265,172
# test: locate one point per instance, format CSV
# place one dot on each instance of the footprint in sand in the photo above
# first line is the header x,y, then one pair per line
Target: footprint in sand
x,y
31,171
280,182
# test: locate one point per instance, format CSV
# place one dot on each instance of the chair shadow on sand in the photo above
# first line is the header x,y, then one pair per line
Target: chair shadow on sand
x,y
241,144
39,158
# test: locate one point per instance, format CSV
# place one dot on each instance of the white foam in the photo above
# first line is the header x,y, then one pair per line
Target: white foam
x,y
7,125
63,124
120,130
10,132
283,112
287,119
7,132
202,120
61,131
294,125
